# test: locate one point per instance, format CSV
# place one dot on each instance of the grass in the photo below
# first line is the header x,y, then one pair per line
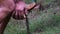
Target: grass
x,y
47,23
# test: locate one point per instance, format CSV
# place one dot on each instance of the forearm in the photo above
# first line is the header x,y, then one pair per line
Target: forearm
x,y
3,13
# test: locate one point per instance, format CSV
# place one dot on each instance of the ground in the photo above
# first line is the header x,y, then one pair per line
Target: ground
x,y
42,22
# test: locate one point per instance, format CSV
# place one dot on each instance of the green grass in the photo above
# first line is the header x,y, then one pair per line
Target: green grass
x,y
47,22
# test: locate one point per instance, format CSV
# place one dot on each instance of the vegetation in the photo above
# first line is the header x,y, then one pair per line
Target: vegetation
x,y
43,22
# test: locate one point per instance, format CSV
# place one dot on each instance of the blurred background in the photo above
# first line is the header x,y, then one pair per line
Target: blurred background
x,y
40,22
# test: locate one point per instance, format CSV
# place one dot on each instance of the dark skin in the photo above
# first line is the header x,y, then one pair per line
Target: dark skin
x,y
5,14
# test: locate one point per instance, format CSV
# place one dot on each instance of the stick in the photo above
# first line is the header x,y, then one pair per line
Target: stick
x,y
27,23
